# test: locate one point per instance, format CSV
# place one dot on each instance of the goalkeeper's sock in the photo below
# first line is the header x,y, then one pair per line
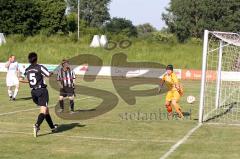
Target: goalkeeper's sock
x,y
40,119
169,108
49,121
179,110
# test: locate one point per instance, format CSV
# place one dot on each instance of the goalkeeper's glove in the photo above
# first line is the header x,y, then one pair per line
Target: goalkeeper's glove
x,y
177,87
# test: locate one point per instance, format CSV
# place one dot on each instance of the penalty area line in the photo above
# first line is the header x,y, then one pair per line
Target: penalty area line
x,y
180,142
26,110
92,137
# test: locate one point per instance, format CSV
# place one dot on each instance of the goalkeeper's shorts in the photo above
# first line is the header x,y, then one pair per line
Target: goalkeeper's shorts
x,y
173,95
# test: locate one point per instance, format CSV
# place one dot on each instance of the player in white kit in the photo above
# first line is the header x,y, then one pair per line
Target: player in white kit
x,y
12,77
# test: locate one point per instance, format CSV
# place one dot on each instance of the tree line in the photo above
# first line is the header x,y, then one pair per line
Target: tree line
x,y
189,18
30,17
184,18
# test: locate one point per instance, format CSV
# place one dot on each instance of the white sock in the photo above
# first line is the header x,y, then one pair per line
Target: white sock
x,y
9,92
15,93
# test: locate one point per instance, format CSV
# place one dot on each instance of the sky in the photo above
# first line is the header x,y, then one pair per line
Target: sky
x,y
140,11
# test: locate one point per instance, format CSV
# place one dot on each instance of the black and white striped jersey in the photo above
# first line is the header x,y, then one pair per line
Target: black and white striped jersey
x,y
35,74
66,77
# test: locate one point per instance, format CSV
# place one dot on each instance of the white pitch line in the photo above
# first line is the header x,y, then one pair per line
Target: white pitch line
x,y
112,139
180,142
26,110
18,111
224,124
93,137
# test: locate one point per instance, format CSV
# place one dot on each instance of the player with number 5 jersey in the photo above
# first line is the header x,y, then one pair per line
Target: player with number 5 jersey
x,y
35,74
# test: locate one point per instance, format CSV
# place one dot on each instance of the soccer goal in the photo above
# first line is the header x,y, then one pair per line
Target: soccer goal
x,y
220,85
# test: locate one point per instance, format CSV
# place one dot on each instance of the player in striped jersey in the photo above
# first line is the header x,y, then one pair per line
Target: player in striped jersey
x,y
66,79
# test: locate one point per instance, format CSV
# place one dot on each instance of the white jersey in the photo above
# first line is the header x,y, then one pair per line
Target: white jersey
x,y
12,78
12,69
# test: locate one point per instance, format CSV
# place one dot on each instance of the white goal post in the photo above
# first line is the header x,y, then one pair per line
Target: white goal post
x,y
220,83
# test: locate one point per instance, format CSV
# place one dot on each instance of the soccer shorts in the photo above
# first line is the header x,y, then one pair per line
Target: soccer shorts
x,y
12,81
66,91
173,95
40,96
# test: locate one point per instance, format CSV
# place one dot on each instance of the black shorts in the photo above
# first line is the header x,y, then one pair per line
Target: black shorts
x,y
66,91
40,96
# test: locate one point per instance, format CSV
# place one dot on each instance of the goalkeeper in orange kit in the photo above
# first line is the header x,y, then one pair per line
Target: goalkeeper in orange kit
x,y
174,93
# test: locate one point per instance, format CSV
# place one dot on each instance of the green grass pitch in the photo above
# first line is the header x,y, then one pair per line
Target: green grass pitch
x,y
110,136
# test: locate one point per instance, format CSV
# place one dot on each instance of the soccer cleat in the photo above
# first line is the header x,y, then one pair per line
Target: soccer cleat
x,y
14,99
55,128
71,112
35,130
10,98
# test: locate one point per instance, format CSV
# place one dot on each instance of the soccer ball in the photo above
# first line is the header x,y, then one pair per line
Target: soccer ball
x,y
191,99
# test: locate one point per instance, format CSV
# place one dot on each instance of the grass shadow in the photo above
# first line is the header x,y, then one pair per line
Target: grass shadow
x,y
64,127
229,108
24,98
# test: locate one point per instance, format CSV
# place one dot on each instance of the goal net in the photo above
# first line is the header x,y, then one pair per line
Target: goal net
x,y
220,85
